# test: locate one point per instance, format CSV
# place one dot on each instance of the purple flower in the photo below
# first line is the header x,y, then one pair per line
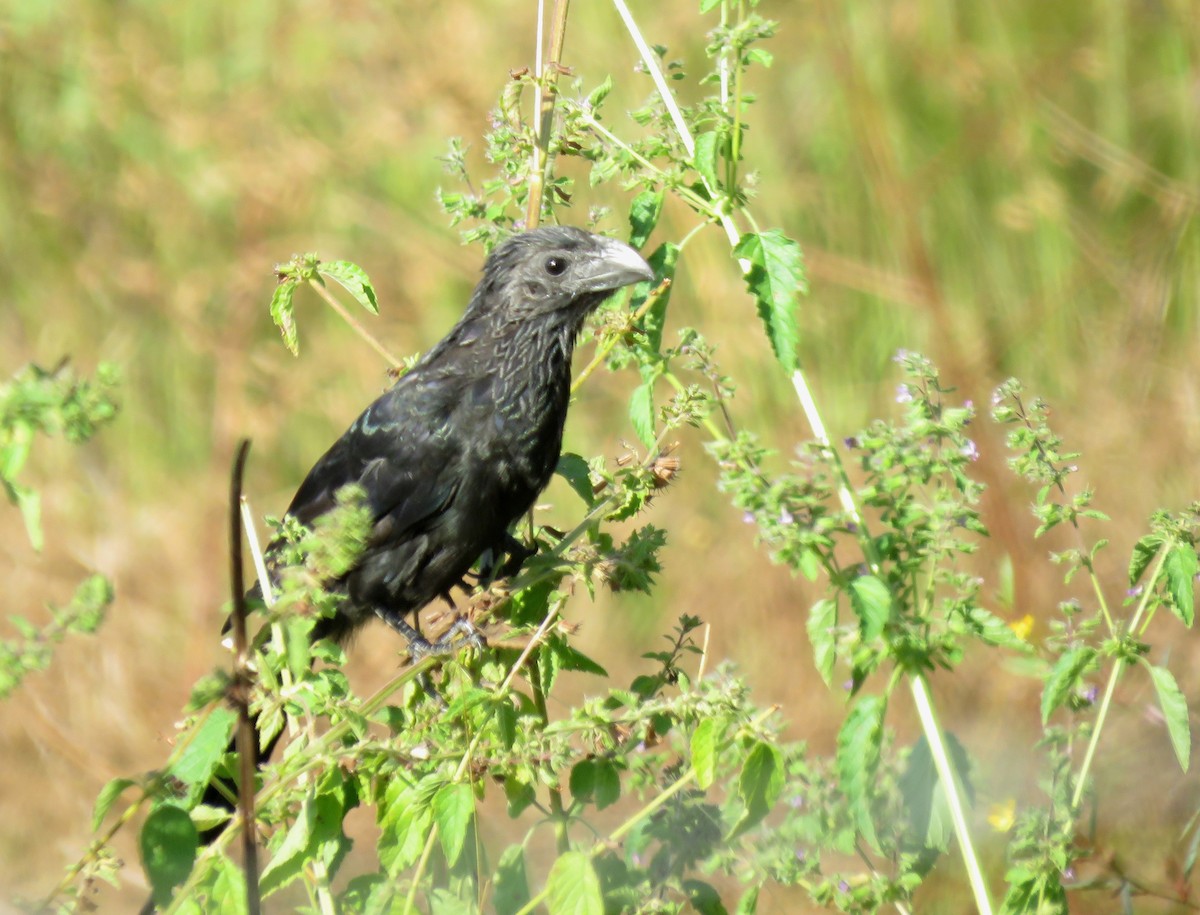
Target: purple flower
x,y
796,801
997,397
843,886
747,517
969,451
1089,694
1069,874
786,517
801,854
850,441
903,394
901,355
1135,591
848,685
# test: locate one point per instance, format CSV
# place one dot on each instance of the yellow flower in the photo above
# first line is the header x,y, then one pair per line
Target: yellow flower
x,y
1002,816
1022,627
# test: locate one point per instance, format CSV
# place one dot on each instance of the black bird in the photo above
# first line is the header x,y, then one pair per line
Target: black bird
x,y
461,446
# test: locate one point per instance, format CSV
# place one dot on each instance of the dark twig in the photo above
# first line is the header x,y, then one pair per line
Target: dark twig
x,y
247,745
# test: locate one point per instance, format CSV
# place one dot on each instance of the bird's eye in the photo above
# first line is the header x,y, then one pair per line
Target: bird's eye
x,y
555,265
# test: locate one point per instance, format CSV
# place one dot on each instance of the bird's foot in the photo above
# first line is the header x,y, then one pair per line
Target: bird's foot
x,y
462,634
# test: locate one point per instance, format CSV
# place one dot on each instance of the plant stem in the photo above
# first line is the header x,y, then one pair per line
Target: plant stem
x,y
1113,676
366,335
941,761
547,87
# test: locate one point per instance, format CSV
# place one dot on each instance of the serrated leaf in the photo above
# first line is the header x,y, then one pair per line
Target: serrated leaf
x,y
857,759
597,96
662,261
704,898
704,751
583,780
872,604
1143,552
568,658
573,887
168,843
775,279
354,280
641,413
1180,567
643,215
992,630
608,784
1064,677
281,314
1174,708
285,863
822,619
705,158
29,503
512,884
759,785
107,797
453,808
204,752
574,469
748,904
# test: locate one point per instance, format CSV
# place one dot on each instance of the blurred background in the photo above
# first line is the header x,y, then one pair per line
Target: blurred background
x,y
1011,188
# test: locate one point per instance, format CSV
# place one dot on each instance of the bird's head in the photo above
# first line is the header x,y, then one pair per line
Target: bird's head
x,y
560,269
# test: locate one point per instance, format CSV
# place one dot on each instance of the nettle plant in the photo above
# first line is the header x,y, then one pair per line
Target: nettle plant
x,y
673,792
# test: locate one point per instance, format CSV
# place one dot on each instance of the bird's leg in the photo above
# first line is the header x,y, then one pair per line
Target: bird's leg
x,y
517,554
420,647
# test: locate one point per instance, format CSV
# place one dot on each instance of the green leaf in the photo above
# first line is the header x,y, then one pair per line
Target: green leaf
x,y
573,887
759,785
775,278
568,657
281,314
583,779
872,604
107,797
662,261
704,898
748,904
574,469
822,619
1143,552
608,784
925,802
857,759
199,760
168,844
453,808
706,5
1064,677
643,215
29,503
705,159
641,413
597,96
285,864
1180,566
992,630
512,884
355,281
1174,708
704,751
15,451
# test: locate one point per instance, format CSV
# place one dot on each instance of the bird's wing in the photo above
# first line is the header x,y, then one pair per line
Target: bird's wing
x,y
402,451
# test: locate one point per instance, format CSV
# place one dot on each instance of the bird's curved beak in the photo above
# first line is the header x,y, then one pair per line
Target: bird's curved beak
x,y
616,264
